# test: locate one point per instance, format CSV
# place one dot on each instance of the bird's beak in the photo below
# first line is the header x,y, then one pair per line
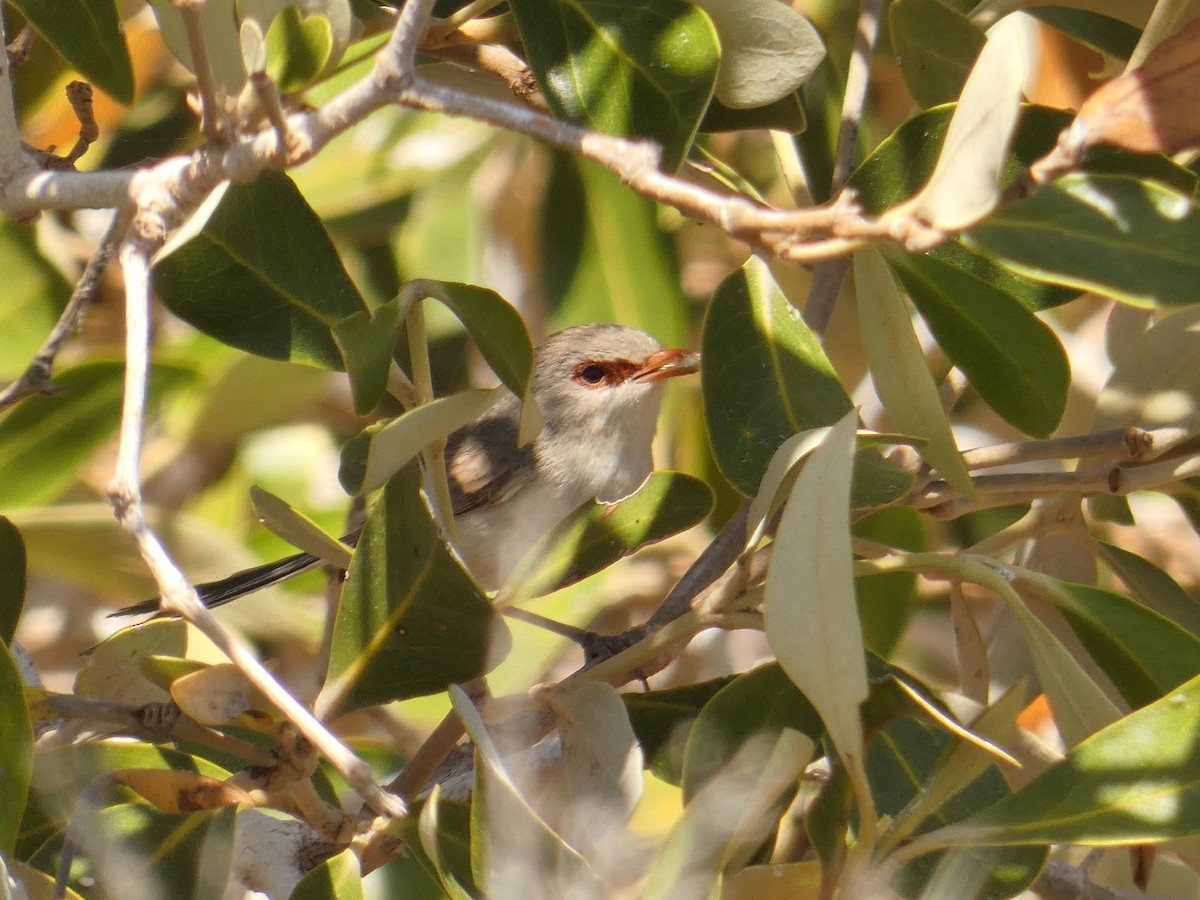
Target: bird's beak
x,y
667,364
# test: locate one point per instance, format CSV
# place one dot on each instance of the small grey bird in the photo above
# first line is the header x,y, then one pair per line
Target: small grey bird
x,y
600,387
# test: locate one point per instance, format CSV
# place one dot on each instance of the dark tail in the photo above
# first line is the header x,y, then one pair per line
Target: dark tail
x,y
214,593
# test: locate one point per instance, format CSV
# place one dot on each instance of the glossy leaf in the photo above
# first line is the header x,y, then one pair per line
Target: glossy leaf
x,y
936,46
598,534
1144,654
1011,358
1126,238
1154,587
87,34
513,850
762,700
262,275
374,455
765,376
729,817
404,595
811,618
337,878
900,763
627,67
1137,781
767,50
45,440
662,721
12,579
16,751
898,369
965,184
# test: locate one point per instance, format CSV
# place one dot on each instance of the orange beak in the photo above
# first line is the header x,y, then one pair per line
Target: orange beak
x,y
667,364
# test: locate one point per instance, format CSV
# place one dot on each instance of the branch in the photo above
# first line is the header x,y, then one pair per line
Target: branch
x,y
1060,881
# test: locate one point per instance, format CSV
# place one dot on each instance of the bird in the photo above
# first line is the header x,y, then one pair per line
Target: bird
x,y
600,387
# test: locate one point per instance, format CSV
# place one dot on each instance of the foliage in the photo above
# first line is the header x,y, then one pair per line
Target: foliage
x,y
958,675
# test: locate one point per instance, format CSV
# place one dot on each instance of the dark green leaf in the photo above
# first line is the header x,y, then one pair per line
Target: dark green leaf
x,y
338,878
598,534
899,762
1152,586
639,68
411,621
1103,34
766,378
1129,239
762,700
936,47
12,579
298,47
662,721
1144,654
885,602
87,34
1011,358
262,275
786,114
1136,781
16,751
438,835
45,440
367,342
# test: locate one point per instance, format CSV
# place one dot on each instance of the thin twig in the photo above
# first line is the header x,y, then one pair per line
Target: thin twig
x,y
37,377
212,111
18,50
177,595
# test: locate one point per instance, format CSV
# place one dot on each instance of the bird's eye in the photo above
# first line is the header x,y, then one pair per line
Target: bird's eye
x,y
591,374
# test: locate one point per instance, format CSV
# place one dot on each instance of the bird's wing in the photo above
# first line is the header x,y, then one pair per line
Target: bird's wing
x,y
484,465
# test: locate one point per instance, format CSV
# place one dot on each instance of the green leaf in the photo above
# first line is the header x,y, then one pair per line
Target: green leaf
x,y
638,68
662,721
411,620
514,851
45,440
1012,359
936,46
87,34
367,342
900,764
898,369
1152,586
337,878
16,751
34,295
729,817
1144,654
811,618
1135,782
381,450
12,579
598,266
885,602
443,826
753,338
261,275
1104,34
1123,237
598,534
298,47
764,699
767,50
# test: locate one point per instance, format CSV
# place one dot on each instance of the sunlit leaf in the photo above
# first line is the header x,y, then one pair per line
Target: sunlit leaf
x,y
627,67
298,47
337,878
87,34
936,46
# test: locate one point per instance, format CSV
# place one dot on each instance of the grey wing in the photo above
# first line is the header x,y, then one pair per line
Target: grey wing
x,y
482,477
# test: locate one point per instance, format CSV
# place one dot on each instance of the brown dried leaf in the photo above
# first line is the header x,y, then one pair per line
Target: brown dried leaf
x,y
179,792
1153,109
